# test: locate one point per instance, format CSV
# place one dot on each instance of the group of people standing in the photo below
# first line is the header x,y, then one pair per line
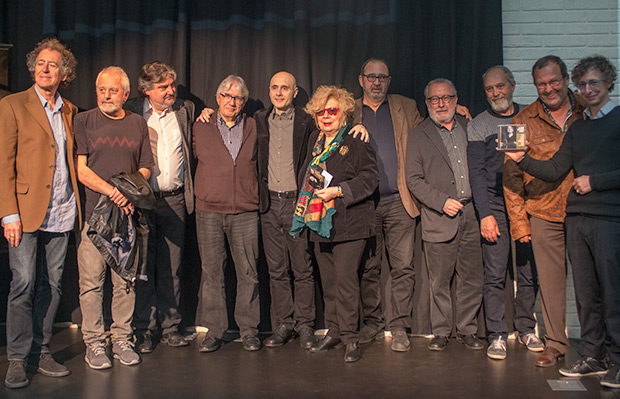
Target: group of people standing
x,y
315,187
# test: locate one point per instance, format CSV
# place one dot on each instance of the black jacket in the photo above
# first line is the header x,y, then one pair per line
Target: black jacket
x,y
354,168
119,237
303,125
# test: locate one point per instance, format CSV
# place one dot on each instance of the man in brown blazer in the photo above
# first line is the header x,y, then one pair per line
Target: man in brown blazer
x,y
389,119
38,206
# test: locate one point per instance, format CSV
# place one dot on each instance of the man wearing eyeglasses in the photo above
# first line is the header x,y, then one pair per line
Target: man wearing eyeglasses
x,y
389,119
437,175
591,149
536,208
226,189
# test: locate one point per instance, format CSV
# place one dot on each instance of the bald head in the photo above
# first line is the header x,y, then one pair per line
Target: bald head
x,y
282,91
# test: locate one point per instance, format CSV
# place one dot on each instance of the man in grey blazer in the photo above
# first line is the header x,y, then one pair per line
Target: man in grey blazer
x,y
437,175
170,122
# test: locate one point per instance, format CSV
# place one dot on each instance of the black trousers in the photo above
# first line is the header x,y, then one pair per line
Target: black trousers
x,y
157,299
594,252
285,253
338,265
395,240
458,261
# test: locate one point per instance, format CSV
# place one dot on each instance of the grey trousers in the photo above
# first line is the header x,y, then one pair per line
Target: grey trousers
x,y
92,271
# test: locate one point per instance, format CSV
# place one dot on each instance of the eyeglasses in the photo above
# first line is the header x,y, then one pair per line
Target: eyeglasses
x,y
446,99
371,78
228,98
330,111
555,83
594,84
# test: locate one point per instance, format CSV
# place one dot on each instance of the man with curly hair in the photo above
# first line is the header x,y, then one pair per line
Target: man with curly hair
x,y
590,149
38,206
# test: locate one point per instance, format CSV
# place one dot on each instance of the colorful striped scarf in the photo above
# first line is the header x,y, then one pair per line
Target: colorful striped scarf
x,y
310,210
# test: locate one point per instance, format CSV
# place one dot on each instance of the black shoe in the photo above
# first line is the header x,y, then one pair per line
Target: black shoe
x,y
306,337
281,335
585,366
438,343
16,374
251,343
368,333
470,341
49,367
326,343
144,344
352,353
612,378
174,339
210,344
400,341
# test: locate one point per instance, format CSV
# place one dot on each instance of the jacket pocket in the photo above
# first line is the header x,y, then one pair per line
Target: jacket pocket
x,y
22,188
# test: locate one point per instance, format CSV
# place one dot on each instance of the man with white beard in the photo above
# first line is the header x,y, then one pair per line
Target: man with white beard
x,y
485,175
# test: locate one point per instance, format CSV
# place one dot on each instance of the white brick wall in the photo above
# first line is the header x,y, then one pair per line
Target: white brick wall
x,y
570,29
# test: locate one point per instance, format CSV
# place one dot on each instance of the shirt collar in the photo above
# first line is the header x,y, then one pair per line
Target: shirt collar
x,y
147,108
221,121
442,127
57,98
605,109
288,114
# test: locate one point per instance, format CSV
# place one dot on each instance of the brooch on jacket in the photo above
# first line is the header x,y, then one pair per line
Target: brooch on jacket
x,y
343,150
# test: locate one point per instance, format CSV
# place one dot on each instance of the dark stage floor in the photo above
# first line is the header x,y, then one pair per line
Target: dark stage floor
x,y
290,372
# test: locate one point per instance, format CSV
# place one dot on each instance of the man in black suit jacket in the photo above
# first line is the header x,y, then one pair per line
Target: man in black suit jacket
x,y
282,134
170,128
437,175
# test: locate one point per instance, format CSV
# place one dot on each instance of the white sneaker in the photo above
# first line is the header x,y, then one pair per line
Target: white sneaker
x,y
96,358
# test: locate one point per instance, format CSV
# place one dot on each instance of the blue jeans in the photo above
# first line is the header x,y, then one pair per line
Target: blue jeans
x,y
30,315
496,257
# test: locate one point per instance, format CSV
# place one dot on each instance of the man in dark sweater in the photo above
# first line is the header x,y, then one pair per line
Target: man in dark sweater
x,y
591,148
486,166
226,188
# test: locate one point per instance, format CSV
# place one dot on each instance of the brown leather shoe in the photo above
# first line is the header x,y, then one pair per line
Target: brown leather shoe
x,y
549,357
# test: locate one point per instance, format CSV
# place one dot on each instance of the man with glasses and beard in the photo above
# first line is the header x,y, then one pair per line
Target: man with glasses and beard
x,y
485,173
437,175
536,208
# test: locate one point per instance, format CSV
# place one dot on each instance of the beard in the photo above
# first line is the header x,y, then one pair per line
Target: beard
x,y
500,106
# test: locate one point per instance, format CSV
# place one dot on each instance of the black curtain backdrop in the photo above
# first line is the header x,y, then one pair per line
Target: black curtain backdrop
x,y
320,42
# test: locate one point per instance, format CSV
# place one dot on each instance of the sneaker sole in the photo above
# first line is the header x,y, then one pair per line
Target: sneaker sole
x,y
532,349
94,367
576,375
165,341
406,349
496,357
610,384
16,385
124,363
53,373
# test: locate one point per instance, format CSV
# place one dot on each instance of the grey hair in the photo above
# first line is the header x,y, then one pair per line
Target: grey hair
x,y
509,76
118,71
439,80
228,82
